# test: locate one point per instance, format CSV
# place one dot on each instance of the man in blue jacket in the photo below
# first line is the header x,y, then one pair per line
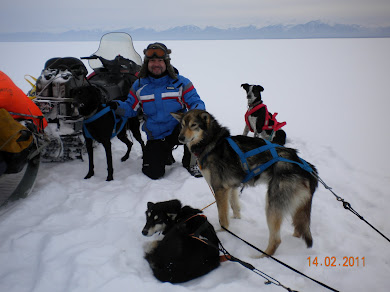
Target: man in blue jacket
x,y
159,91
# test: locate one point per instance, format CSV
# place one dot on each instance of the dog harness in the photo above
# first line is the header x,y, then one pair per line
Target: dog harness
x,y
201,228
96,116
276,126
259,169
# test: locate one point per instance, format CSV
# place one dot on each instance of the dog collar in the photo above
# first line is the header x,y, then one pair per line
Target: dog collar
x,y
255,104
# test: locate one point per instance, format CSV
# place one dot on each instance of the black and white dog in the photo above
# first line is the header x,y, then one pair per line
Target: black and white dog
x,y
88,100
259,120
189,248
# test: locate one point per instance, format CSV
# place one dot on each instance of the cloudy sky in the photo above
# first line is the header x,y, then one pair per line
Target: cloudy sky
x,y
63,15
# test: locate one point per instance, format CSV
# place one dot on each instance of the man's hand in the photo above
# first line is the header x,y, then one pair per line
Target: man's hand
x,y
113,105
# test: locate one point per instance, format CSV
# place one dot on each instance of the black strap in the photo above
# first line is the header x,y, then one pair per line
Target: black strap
x,y
280,262
269,279
347,205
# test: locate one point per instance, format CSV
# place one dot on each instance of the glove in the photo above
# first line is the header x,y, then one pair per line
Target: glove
x,y
113,105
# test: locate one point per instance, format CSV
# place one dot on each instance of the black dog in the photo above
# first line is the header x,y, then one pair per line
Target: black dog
x,y
189,248
89,102
259,120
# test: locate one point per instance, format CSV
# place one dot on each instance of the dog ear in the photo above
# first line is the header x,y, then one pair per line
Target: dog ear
x,y
150,205
205,116
258,87
177,116
204,120
245,86
176,204
173,208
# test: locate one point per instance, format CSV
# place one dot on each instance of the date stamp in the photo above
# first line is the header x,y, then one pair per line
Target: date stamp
x,y
337,262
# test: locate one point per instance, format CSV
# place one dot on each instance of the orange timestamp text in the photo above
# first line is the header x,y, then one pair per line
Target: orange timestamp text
x,y
337,262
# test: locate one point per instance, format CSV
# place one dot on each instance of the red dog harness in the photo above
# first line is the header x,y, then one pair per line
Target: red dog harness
x,y
276,126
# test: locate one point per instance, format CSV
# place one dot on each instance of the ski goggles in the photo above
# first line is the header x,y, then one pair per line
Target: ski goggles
x,y
155,52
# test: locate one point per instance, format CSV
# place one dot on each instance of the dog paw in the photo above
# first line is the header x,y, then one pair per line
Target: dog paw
x,y
296,234
220,230
89,175
223,227
263,256
110,178
124,158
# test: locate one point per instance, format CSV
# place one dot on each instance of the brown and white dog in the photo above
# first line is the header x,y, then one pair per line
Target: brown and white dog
x,y
290,187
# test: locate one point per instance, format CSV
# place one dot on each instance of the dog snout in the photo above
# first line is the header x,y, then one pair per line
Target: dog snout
x,y
181,138
146,229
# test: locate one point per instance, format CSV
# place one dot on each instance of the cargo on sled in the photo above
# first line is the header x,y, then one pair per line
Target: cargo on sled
x,y
21,128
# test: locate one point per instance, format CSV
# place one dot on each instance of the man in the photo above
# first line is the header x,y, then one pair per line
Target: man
x,y
159,91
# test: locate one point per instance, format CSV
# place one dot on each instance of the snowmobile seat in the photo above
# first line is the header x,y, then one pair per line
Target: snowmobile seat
x,y
74,65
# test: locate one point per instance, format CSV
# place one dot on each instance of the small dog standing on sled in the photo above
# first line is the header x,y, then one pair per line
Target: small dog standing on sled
x,y
259,120
291,180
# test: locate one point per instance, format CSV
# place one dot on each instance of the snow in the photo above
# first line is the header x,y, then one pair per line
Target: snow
x,y
73,234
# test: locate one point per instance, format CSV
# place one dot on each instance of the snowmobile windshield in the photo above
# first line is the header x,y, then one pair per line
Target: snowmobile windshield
x,y
113,44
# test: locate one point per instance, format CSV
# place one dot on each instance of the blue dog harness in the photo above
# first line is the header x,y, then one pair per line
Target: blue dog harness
x,y
96,116
259,169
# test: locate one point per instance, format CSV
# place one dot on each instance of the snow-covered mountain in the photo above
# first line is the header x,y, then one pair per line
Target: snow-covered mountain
x,y
312,29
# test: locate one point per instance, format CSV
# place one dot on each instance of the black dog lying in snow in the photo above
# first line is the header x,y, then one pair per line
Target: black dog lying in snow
x,y
189,248
89,102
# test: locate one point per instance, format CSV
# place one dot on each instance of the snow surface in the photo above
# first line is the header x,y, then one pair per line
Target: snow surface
x,y
73,234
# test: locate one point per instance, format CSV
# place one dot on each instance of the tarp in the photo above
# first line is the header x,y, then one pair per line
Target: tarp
x,y
14,100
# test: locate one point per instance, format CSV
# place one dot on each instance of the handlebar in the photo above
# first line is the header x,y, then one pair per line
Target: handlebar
x,y
93,57
116,65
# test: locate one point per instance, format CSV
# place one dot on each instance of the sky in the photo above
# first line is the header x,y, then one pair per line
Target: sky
x,y
59,16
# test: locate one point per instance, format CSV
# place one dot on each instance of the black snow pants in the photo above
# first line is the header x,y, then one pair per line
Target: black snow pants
x,y
158,154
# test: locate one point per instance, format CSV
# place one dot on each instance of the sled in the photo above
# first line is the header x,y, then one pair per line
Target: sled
x,y
19,157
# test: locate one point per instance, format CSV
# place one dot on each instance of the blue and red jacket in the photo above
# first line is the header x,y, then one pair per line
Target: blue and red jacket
x,y
158,98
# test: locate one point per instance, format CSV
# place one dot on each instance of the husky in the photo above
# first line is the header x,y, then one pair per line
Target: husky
x,y
189,248
290,187
259,120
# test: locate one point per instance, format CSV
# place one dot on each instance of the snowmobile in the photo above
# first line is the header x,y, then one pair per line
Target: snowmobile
x,y
115,65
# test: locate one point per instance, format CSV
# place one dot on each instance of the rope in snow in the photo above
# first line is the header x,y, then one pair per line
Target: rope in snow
x,y
347,205
280,262
269,279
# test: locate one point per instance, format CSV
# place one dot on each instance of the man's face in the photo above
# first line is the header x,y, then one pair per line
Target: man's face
x,y
157,66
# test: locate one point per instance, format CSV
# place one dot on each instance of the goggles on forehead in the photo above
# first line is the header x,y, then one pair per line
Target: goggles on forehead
x,y
155,52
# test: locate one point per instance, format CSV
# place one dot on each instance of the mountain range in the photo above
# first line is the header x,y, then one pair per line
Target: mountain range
x,y
312,29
